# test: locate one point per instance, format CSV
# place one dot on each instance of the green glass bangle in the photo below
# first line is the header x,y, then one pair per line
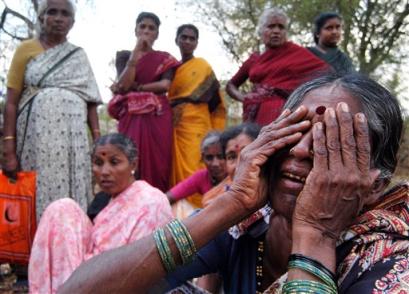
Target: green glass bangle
x,y
188,236
313,262
303,265
181,241
164,250
307,286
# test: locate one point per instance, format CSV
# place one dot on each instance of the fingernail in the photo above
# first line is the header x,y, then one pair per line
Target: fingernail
x,y
360,116
331,112
344,106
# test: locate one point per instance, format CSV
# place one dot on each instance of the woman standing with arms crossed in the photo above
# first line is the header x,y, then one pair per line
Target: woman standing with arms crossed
x,y
140,104
51,96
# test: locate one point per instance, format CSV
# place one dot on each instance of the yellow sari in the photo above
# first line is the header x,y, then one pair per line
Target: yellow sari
x,y
197,107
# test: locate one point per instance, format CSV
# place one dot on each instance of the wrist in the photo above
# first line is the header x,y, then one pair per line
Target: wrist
x,y
233,209
306,240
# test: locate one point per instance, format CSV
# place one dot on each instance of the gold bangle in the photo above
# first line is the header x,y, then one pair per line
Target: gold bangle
x,y
8,138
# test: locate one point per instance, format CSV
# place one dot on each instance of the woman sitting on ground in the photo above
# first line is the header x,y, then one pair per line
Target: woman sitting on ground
x,y
66,237
324,166
201,181
232,140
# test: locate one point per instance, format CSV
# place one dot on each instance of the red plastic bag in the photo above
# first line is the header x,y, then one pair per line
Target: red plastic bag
x,y
17,217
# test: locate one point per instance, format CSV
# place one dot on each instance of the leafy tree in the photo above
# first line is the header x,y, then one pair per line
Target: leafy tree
x,y
374,30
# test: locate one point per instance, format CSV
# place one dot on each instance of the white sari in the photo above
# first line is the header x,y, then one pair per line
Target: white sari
x,y
52,136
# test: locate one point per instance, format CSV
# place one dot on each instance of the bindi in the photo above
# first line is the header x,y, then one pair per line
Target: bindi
x,y
320,110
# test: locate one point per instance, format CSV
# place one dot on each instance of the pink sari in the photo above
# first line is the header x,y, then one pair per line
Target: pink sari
x,y
151,131
66,237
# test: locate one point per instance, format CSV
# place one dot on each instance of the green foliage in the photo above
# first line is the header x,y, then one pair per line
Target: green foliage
x,y
374,30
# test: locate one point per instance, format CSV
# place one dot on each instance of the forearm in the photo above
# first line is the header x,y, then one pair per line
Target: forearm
x,y
93,120
10,119
137,266
234,92
158,87
170,197
127,77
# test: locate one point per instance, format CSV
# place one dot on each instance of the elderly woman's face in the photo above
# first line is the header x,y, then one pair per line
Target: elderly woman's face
x,y
233,148
291,169
274,31
330,33
147,29
57,19
112,169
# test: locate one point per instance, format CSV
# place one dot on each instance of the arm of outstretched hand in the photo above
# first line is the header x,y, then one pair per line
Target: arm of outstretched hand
x,y
137,266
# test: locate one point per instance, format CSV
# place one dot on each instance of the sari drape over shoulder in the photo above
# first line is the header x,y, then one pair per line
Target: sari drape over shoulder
x,y
275,74
150,128
198,107
52,136
66,237
339,61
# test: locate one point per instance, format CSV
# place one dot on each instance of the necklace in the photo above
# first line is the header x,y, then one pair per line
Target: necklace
x,y
259,265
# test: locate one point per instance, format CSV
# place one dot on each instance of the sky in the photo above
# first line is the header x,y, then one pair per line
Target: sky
x,y
108,26
103,27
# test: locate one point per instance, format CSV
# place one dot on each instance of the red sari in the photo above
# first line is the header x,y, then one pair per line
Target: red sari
x,y
148,123
275,74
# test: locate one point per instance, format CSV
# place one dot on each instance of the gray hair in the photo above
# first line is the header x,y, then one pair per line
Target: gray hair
x,y
381,108
120,141
212,137
262,21
42,7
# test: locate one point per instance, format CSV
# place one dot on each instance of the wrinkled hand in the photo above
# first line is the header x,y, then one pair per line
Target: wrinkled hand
x,y
249,186
10,166
341,178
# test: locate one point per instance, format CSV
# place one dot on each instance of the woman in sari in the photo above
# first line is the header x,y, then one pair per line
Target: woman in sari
x,y
324,166
51,96
327,34
140,104
197,105
66,237
187,195
275,73
232,140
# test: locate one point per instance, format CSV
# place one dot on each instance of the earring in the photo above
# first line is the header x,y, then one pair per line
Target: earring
x,y
132,172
